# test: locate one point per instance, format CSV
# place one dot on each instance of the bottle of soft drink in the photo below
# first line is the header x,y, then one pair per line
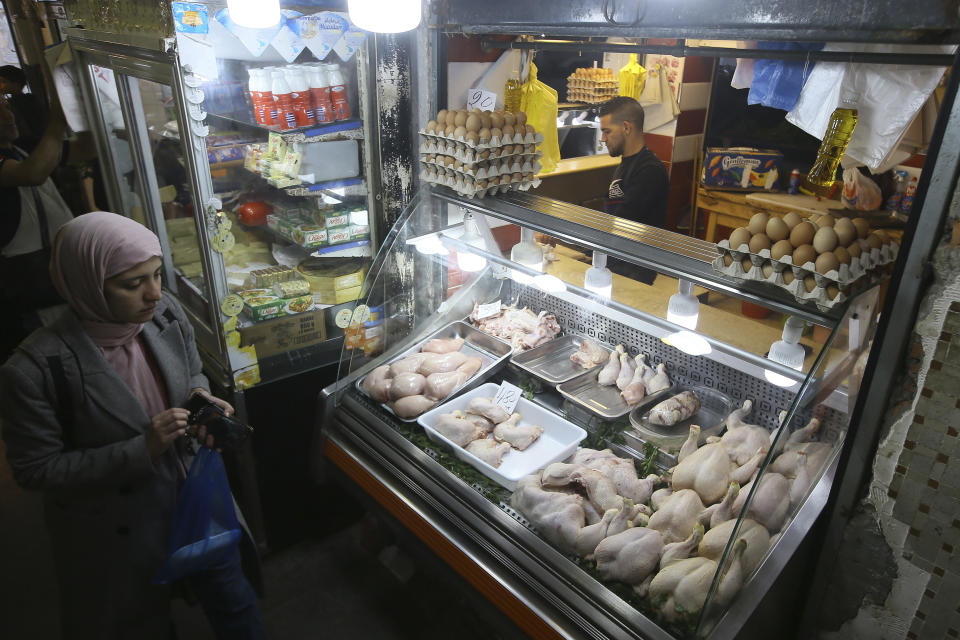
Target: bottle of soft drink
x,y
320,92
906,204
256,95
338,92
268,114
283,101
300,93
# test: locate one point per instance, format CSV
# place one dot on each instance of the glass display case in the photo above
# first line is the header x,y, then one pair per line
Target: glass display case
x,y
263,206
675,440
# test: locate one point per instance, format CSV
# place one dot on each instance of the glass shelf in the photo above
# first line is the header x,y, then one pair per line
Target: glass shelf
x,y
351,129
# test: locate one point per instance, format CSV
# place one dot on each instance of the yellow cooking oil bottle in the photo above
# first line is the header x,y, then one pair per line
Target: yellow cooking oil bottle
x,y
822,177
512,92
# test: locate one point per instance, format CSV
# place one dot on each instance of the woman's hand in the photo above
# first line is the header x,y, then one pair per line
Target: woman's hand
x,y
223,404
164,429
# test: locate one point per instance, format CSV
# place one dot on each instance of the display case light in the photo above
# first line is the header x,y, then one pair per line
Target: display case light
x,y
429,245
528,253
683,308
471,236
598,278
689,342
787,352
385,16
549,283
254,14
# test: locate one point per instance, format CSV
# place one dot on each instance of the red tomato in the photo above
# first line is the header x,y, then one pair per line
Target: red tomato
x,y
254,213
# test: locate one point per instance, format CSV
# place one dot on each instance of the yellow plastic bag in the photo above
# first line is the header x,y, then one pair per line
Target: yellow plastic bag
x,y
632,78
540,104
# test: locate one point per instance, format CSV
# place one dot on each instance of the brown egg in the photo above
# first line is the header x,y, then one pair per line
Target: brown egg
x,y
473,136
496,120
746,264
727,259
803,254
495,133
874,240
457,164
449,130
485,154
509,118
788,276
530,130
451,118
521,117
442,116
780,249
826,220
484,135
846,232
740,236
843,256
832,291
485,120
473,123
884,238
854,249
827,262
759,242
863,227
483,184
825,239
802,234
777,229
508,131
431,126
792,219
517,177
758,223
460,119
809,283
460,132
767,269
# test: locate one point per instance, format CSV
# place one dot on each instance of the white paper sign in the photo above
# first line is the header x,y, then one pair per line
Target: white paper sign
x,y
196,56
487,310
508,396
321,31
481,99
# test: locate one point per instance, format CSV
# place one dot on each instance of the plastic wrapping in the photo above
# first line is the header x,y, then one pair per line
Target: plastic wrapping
x,y
540,104
859,191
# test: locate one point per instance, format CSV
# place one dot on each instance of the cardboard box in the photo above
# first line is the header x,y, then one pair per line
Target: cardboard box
x,y
332,274
741,168
261,304
336,297
285,334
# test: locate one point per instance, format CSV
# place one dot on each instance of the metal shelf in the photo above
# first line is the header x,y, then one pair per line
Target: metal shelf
x,y
351,129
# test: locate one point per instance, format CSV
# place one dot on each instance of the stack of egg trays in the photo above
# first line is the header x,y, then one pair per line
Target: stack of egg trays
x,y
842,278
480,163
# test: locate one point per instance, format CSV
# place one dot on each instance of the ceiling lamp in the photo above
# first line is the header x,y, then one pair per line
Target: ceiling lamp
x,y
385,16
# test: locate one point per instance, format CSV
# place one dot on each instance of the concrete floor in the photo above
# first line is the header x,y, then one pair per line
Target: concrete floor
x,y
345,578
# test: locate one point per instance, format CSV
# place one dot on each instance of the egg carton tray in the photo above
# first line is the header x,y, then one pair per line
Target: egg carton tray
x,y
494,142
471,188
468,155
586,83
483,172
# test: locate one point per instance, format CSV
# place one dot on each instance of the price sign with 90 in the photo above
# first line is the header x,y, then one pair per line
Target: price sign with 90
x,y
481,99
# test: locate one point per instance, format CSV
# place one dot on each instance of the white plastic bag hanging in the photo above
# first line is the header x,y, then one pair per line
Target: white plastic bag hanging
x,y
888,97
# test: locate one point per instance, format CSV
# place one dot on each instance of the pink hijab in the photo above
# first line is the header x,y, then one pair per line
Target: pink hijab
x,y
87,251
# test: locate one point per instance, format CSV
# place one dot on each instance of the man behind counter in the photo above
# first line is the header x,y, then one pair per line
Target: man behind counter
x,y
640,184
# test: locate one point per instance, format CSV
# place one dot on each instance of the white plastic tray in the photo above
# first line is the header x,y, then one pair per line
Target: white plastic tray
x,y
557,442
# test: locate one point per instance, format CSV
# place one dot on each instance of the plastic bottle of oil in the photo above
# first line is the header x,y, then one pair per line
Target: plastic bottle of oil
x,y
512,93
823,173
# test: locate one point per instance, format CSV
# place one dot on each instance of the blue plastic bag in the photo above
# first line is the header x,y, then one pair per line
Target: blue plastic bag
x,y
777,83
205,526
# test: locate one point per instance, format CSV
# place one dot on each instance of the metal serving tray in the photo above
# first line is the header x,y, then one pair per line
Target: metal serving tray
x,y
604,400
491,350
714,409
551,361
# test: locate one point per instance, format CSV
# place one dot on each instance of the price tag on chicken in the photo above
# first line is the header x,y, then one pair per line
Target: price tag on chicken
x,y
508,396
487,310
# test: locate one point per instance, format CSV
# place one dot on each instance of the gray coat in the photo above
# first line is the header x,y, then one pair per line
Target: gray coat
x,y
108,506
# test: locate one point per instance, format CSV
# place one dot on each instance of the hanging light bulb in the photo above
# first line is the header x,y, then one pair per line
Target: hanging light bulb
x,y
683,308
471,236
385,16
528,253
598,278
254,14
787,352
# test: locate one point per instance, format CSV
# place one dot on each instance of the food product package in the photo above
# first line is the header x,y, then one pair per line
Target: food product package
x,y
540,101
859,191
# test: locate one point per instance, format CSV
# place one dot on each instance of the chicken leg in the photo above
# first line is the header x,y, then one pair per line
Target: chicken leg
x,y
488,450
626,371
518,436
608,374
660,381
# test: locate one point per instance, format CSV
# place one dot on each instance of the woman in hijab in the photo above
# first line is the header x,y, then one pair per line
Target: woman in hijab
x,y
92,416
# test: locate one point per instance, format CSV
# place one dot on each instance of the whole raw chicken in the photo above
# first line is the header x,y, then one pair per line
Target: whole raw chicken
x,y
440,385
589,354
557,515
755,535
770,503
629,556
742,440
677,516
788,462
442,345
621,470
517,435
406,384
488,450
681,587
614,521
709,471
377,383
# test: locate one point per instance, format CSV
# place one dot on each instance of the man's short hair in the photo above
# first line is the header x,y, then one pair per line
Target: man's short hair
x,y
623,109
14,74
